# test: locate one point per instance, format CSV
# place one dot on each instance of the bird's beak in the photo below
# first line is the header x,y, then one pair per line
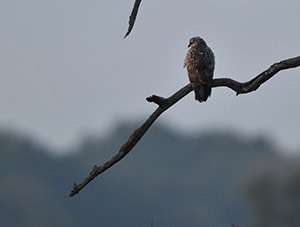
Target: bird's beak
x,y
189,45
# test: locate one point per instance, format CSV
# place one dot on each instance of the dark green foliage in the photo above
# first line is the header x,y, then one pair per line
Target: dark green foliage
x,y
170,179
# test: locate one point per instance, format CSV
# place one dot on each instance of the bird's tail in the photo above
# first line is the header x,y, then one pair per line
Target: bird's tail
x,y
202,92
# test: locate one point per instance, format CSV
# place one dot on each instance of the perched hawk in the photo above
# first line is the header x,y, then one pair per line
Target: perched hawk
x,y
200,64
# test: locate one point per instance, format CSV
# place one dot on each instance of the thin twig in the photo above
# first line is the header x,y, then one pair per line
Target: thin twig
x,y
133,16
166,103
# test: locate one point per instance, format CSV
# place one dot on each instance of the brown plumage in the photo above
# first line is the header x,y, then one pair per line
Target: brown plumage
x,y
200,64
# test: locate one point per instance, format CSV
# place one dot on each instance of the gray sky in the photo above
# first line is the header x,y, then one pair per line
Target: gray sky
x,y
66,69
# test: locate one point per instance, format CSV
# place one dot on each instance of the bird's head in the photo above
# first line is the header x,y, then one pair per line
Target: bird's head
x,y
195,41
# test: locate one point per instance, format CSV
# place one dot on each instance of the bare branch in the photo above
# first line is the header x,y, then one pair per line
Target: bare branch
x,y
166,103
254,84
133,16
135,136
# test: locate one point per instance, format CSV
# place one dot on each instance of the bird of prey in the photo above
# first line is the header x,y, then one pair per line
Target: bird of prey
x,y
200,64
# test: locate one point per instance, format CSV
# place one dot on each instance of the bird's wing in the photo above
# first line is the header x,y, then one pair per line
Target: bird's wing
x,y
209,60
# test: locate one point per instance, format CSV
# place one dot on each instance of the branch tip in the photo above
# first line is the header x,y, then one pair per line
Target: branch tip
x,y
157,100
132,17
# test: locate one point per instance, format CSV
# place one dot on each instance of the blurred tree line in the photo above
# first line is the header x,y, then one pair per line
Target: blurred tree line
x,y
170,179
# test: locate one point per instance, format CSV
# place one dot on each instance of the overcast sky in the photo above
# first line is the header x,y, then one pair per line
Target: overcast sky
x,y
66,70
